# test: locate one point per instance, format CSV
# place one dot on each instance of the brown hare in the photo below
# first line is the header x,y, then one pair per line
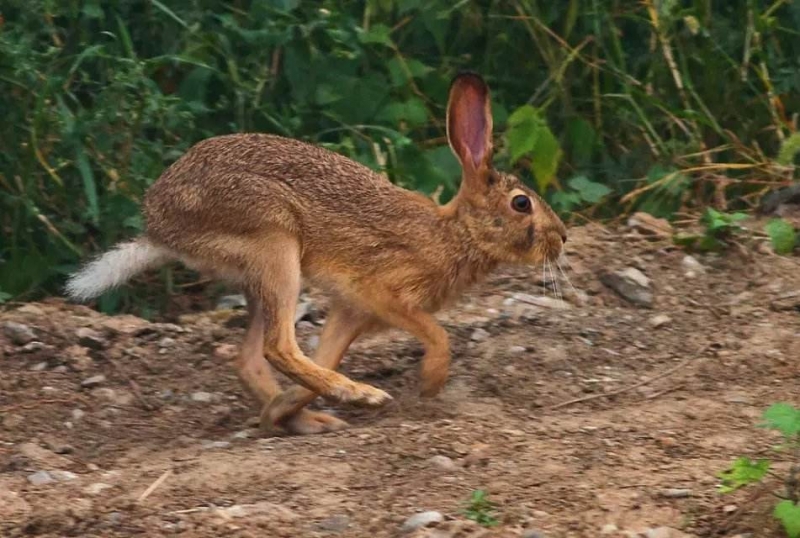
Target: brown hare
x,y
266,211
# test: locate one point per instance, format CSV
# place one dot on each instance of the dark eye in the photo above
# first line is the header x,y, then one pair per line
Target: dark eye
x,y
521,203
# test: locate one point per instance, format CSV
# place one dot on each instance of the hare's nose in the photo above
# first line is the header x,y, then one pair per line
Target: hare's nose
x,y
563,238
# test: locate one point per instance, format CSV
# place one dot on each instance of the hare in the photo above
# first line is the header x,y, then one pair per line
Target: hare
x,y
266,212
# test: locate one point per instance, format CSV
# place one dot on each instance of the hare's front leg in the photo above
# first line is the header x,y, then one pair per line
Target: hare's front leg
x,y
277,289
343,326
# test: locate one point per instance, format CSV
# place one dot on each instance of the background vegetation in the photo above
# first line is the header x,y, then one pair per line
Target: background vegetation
x,y
604,106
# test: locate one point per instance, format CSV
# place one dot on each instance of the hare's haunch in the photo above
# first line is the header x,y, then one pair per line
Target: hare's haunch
x,y
268,211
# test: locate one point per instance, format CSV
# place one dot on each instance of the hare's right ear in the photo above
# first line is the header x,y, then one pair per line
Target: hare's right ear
x,y
469,125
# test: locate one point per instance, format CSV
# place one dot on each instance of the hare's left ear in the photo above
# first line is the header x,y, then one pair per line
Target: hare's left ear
x,y
469,125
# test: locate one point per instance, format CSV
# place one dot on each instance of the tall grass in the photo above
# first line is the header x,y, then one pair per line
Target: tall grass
x,y
604,106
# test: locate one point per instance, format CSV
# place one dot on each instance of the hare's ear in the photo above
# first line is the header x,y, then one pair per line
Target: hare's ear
x,y
469,124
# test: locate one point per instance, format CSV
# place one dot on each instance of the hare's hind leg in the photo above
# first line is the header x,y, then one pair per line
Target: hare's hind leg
x,y
277,288
344,325
257,377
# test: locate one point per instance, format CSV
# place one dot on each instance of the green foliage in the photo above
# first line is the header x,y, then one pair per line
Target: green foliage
x,y
742,472
481,510
720,228
783,236
788,513
99,97
784,418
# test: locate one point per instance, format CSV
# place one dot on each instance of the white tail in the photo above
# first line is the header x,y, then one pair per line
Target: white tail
x,y
115,267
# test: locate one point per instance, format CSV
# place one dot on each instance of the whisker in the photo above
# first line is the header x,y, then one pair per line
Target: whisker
x,y
564,274
556,290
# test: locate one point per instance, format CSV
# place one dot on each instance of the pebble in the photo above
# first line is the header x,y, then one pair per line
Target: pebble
x,y
78,358
63,476
630,284
94,381
90,338
210,445
166,342
202,397
334,524
96,488
19,333
542,301
231,302
40,478
660,320
729,508
690,263
443,462
226,351
676,493
423,519
480,335
517,350
78,414
533,533
609,528
118,398
32,347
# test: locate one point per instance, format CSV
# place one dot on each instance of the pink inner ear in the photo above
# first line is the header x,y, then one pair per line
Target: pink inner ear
x,y
471,123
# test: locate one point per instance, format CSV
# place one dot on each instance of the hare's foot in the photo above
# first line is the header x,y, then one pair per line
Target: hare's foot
x,y
303,422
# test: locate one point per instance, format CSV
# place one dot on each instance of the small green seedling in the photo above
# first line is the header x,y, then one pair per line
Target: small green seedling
x,y
720,229
784,418
481,510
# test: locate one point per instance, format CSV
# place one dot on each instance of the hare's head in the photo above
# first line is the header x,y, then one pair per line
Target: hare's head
x,y
505,219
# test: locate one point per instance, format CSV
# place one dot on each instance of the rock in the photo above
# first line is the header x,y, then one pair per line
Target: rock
x,y
96,488
40,478
443,462
690,263
19,333
63,476
31,309
609,528
210,445
231,302
630,284
533,533
226,351
78,414
78,358
676,493
119,398
729,508
659,321
480,335
517,350
335,524
94,381
478,454
648,225
58,446
125,325
267,510
420,520
90,338
39,367
33,347
202,397
12,421
42,457
786,302
542,301
166,342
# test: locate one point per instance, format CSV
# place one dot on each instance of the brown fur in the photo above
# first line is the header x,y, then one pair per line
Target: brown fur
x,y
267,211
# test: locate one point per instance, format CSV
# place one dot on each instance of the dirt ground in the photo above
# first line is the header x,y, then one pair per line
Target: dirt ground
x,y
115,426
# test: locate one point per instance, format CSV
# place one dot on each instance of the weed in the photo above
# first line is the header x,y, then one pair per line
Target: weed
x,y
481,510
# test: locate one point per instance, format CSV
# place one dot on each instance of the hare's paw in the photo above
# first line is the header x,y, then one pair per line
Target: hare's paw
x,y
311,422
360,394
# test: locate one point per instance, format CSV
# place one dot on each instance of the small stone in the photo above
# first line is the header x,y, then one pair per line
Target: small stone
x,y
534,533
40,478
78,358
648,225
609,528
226,351
63,476
729,508
421,520
660,320
676,493
210,445
630,284
480,335
19,333
58,445
39,367
31,309
33,347
118,398
231,302
443,462
542,301
78,414
94,381
517,350
335,524
125,324
202,397
690,263
90,338
166,342
96,488
12,421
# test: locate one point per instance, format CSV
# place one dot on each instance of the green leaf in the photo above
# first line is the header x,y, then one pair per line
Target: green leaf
x,y
788,514
402,70
790,148
89,185
783,417
742,472
782,234
528,134
589,191
379,34
412,111
582,137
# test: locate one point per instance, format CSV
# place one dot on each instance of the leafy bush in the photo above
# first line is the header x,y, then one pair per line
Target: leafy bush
x,y
653,105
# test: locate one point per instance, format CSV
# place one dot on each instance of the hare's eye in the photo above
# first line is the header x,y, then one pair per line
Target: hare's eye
x,y
521,203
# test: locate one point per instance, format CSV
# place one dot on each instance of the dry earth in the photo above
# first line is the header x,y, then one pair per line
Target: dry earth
x,y
96,410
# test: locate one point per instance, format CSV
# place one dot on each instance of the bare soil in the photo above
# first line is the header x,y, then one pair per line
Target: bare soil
x,y
675,401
